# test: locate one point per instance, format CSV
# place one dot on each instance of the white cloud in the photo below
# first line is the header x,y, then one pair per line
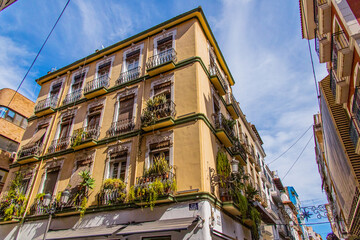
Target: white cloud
x,y
274,85
13,65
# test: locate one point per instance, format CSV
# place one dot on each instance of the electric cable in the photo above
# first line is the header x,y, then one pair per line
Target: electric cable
x,y
37,55
298,157
311,57
290,146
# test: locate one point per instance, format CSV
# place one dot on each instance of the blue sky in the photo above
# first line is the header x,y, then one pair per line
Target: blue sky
x,y
260,40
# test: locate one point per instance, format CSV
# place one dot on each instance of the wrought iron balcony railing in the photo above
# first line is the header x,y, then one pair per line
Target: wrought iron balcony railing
x,y
34,150
146,180
84,134
152,114
100,82
59,144
111,196
121,126
72,97
340,41
161,58
319,37
221,123
333,81
214,71
49,102
239,149
354,132
230,99
128,76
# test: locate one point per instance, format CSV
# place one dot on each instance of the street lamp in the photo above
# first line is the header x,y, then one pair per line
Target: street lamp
x,y
50,206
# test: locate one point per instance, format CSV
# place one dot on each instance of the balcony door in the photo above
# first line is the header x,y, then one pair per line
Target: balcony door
x,y
164,44
132,60
78,82
104,70
118,165
163,89
65,128
158,150
126,108
51,179
55,90
94,116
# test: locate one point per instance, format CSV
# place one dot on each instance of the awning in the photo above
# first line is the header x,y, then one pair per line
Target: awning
x,y
158,226
265,215
35,138
95,232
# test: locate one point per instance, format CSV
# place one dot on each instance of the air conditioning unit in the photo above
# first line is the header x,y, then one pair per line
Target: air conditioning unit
x,y
13,155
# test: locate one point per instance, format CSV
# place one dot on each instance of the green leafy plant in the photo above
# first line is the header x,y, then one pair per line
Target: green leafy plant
x,y
115,188
222,167
160,166
76,141
13,203
150,116
250,192
82,194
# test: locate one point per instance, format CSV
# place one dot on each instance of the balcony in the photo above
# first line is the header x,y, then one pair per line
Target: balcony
x,y
339,88
128,76
59,144
257,165
239,152
46,106
251,154
322,47
97,87
343,53
354,135
232,106
162,62
229,201
85,137
324,16
144,183
72,97
224,129
121,127
158,115
217,79
31,153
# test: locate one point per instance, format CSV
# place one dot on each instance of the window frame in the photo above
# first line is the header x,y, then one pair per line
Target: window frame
x,y
163,36
50,165
118,106
140,47
157,139
118,148
98,64
75,74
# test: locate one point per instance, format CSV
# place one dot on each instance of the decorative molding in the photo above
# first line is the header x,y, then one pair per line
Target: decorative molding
x,y
127,92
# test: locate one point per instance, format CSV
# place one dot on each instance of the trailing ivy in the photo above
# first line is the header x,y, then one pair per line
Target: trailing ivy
x,y
13,202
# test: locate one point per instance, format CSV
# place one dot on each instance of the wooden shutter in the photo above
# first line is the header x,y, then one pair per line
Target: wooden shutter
x,y
126,107
51,178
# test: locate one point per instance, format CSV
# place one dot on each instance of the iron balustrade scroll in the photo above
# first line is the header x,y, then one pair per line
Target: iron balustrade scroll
x,y
128,76
100,82
121,126
319,211
161,58
59,144
110,196
72,97
34,150
49,102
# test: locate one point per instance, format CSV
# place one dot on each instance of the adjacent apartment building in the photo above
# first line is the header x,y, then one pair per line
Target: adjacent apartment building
x,y
335,27
142,140
5,3
13,122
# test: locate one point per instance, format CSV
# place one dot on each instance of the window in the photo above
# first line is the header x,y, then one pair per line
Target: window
x,y
8,145
126,107
13,117
164,44
93,119
216,105
24,185
104,69
10,115
65,129
78,82
55,90
356,106
81,165
163,89
160,149
51,179
132,60
118,165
